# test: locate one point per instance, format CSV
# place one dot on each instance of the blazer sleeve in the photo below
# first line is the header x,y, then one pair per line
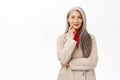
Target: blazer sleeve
x,y
86,63
65,49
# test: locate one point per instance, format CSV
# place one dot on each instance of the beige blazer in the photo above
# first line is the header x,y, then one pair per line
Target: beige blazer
x,y
80,68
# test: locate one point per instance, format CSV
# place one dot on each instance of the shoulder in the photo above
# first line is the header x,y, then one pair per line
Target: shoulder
x,y
92,36
61,37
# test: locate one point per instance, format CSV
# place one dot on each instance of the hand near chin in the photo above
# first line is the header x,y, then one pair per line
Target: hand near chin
x,y
71,32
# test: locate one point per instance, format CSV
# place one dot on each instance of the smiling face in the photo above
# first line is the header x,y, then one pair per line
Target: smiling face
x,y
75,19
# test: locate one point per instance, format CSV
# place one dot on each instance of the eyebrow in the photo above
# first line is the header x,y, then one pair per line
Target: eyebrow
x,y
78,16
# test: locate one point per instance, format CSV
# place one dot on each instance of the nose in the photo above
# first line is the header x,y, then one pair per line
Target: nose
x,y
76,20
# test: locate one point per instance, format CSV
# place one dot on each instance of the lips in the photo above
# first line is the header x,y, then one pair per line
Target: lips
x,y
76,24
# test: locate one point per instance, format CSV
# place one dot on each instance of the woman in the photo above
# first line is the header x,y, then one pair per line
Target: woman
x,y
76,49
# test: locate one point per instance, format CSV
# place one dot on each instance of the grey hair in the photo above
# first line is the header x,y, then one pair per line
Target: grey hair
x,y
84,37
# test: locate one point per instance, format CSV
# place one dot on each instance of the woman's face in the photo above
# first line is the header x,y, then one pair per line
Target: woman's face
x,y
75,19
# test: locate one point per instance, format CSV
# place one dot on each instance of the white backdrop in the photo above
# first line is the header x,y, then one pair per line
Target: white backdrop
x,y
29,30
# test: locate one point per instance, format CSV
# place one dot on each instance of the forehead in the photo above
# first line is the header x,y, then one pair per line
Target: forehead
x,y
75,13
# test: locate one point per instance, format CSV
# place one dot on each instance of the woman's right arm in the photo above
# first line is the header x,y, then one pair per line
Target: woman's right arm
x,y
65,49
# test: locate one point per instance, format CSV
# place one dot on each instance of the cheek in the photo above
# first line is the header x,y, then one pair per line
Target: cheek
x,y
71,21
81,21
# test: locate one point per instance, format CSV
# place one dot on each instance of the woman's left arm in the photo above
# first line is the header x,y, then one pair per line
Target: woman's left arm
x,y
86,63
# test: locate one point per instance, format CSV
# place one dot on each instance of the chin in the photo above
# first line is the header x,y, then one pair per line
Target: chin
x,y
76,27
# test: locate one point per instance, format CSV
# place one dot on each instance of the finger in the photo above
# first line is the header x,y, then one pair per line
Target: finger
x,y
73,30
64,65
70,27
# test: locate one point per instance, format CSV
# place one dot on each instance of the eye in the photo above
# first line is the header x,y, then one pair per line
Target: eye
x,y
80,17
72,17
